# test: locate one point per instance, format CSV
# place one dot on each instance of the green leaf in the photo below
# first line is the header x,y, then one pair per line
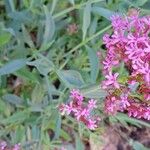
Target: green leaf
x,y
139,2
138,146
35,132
94,91
94,63
86,19
54,3
27,37
4,38
57,127
26,74
50,124
95,142
47,46
133,121
146,6
12,66
23,16
44,66
37,93
71,78
13,99
49,27
72,1
26,3
103,12
19,134
93,27
9,4
2,106
79,144
17,117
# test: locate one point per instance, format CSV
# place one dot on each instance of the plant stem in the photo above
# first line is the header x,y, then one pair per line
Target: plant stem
x,y
87,40
77,6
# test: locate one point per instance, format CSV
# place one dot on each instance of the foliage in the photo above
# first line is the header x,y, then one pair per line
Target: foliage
x,y
47,48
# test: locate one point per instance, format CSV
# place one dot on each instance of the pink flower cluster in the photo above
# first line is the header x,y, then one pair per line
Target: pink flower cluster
x,y
128,47
80,110
4,146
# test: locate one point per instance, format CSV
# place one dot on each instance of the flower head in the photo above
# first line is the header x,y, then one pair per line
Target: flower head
x,y
111,80
81,111
129,44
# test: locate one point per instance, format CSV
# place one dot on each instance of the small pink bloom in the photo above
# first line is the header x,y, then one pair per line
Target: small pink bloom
x,y
123,102
147,96
3,145
17,147
80,110
92,104
128,44
75,94
111,80
92,124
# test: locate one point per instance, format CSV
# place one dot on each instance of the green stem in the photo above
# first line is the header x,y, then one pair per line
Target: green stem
x,y
77,6
87,40
48,87
137,7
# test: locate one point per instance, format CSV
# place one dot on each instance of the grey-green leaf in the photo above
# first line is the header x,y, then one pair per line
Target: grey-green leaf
x,y
9,4
71,78
103,12
139,2
49,27
13,99
12,66
93,27
4,38
17,117
27,37
43,65
57,127
86,19
37,93
133,121
54,3
72,1
138,146
94,91
79,143
94,63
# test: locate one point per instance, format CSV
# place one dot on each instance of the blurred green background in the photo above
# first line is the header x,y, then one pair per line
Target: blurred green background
x,y
48,47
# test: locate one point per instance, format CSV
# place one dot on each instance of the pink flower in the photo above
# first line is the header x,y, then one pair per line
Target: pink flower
x,y
134,52
129,44
146,114
76,95
92,104
111,80
3,145
17,147
92,124
119,23
147,96
124,102
136,110
81,113
108,63
111,105
146,72
69,108
80,110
